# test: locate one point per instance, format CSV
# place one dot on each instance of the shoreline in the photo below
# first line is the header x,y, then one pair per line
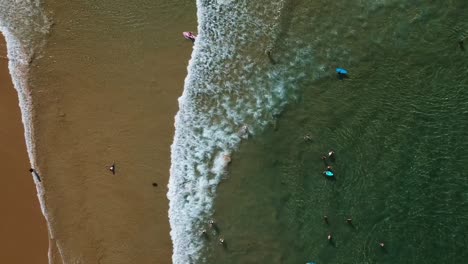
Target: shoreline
x,y
26,225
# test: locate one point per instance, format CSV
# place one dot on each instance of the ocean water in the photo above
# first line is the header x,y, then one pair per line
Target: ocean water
x,y
398,125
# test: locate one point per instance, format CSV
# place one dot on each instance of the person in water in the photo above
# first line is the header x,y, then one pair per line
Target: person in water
x,y
270,57
331,155
349,221
330,238
112,168
212,224
203,233
325,219
222,241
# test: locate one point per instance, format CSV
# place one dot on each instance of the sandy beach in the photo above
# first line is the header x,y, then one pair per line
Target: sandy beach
x,y
23,228
101,96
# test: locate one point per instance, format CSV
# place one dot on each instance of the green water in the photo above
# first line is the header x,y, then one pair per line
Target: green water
x,y
399,126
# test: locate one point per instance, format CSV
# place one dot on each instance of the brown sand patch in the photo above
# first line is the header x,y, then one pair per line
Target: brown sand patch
x,y
107,91
22,225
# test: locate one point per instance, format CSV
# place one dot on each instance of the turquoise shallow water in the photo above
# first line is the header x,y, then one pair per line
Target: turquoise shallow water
x,y
399,128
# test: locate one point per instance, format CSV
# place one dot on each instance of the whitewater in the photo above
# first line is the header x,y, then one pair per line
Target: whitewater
x,y
25,28
239,80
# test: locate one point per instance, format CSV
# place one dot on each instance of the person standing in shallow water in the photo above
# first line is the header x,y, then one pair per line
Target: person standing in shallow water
x,y
112,168
325,219
270,57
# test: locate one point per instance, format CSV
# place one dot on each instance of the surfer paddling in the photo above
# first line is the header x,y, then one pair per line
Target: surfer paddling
x,y
342,73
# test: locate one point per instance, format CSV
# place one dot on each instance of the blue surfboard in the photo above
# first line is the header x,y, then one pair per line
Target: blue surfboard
x,y
341,71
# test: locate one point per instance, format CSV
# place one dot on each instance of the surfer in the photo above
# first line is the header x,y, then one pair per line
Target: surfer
x,y
342,73
112,168
328,173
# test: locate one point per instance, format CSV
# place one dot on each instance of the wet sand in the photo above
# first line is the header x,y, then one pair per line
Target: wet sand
x,y
104,91
22,225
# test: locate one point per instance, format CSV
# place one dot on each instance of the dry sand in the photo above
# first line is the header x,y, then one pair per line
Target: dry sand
x,y
22,225
104,93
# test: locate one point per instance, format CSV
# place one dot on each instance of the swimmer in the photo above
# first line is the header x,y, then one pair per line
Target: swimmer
x,y
244,131
212,223
329,168
221,241
349,221
307,137
325,219
270,57
331,154
227,159
112,168
203,233
330,237
381,244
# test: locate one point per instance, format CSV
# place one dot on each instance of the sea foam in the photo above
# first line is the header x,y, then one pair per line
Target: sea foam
x,y
233,89
24,26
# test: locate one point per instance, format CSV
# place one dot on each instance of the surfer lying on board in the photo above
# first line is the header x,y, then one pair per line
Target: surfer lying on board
x,y
328,172
342,73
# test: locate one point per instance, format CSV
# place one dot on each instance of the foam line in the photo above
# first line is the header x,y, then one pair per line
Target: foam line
x,y
25,26
231,90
